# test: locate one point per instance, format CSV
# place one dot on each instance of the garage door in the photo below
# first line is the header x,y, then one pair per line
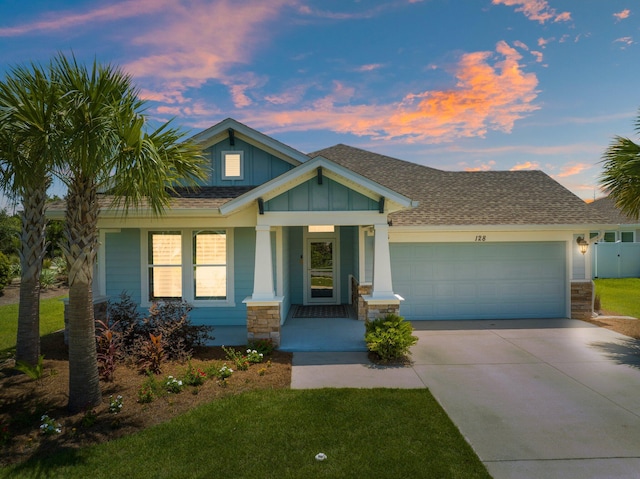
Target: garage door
x,y
480,281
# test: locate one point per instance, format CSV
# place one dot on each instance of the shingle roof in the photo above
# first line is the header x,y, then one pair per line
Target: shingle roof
x,y
205,197
467,198
606,206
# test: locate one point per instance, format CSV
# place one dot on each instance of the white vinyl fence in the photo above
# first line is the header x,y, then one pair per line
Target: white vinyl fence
x,y
615,260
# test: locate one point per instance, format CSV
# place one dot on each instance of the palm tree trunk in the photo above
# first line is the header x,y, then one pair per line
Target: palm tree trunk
x,y
32,251
80,251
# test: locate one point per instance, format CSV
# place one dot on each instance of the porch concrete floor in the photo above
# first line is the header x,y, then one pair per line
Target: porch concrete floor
x,y
304,335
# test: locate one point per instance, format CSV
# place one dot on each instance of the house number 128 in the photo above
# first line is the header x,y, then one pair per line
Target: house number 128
x,y
481,238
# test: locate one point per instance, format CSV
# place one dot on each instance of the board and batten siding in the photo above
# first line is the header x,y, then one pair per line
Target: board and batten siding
x,y
329,196
259,166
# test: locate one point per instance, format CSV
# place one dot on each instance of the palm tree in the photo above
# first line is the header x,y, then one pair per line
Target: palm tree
x,y
621,176
107,146
29,102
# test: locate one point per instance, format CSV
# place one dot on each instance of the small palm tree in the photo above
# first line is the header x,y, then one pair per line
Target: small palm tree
x,y
621,175
107,146
29,106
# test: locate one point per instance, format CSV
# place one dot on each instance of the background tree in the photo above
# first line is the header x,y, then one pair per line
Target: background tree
x,y
29,112
621,175
10,226
107,146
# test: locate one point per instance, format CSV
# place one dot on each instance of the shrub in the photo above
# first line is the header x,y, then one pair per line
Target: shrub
x,y
389,337
48,277
169,319
108,350
34,371
151,354
5,271
194,376
241,361
263,346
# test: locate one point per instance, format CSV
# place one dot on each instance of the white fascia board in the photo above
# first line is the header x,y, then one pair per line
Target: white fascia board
x,y
479,228
308,170
218,132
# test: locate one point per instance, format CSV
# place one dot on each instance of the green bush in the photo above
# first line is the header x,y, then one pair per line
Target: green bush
x,y
389,337
5,271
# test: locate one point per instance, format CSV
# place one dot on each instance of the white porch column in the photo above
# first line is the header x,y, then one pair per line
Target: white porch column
x,y
382,285
263,272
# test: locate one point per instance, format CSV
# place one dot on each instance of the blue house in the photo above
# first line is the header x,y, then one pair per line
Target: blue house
x,y
274,230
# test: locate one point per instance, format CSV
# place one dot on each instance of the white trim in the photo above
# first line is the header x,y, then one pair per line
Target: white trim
x,y
187,267
279,262
223,165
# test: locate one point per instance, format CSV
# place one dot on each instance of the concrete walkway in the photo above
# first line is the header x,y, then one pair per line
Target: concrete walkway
x,y
535,399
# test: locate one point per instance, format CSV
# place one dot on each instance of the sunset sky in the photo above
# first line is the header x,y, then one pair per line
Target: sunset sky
x,y
455,85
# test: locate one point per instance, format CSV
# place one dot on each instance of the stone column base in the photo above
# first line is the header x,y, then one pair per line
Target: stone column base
x,y
582,295
263,320
379,308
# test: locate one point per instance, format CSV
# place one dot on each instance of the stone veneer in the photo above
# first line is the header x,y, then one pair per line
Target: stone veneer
x,y
582,294
375,311
359,290
263,322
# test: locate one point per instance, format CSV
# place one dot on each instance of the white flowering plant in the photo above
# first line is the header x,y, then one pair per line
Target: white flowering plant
x,y
224,372
115,404
173,385
253,356
49,426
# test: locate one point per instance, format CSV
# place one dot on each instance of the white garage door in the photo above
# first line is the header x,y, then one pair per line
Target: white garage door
x,y
480,281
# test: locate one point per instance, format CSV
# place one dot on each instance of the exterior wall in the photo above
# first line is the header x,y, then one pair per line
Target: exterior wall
x,y
123,265
329,196
582,295
259,166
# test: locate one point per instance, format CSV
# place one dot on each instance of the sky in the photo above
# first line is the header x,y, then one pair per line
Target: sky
x,y
461,85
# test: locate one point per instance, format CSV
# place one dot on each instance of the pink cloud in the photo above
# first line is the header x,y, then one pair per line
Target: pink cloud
x,y
491,92
623,14
368,68
627,41
482,167
109,13
527,165
573,169
542,42
537,10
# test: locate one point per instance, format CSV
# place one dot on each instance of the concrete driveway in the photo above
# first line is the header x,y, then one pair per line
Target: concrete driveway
x,y
534,398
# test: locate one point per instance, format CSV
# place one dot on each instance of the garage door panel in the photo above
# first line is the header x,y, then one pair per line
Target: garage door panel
x,y
480,281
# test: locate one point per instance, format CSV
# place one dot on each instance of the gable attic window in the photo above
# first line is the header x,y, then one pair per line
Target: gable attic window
x,y
232,165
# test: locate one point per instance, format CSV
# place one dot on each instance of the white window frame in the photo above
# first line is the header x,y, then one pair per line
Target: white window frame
x,y
633,236
188,283
240,176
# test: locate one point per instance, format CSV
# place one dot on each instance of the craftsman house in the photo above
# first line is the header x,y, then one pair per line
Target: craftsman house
x,y
274,229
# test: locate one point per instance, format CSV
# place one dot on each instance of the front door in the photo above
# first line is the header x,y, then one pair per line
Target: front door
x,y
321,278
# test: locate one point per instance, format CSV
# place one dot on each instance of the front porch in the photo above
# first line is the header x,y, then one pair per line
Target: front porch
x,y
306,329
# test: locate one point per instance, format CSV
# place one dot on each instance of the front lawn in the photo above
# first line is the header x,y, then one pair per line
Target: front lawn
x,y
277,434
51,319
621,296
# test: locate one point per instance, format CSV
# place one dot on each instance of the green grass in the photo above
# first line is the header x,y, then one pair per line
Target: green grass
x,y
51,319
621,296
276,434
